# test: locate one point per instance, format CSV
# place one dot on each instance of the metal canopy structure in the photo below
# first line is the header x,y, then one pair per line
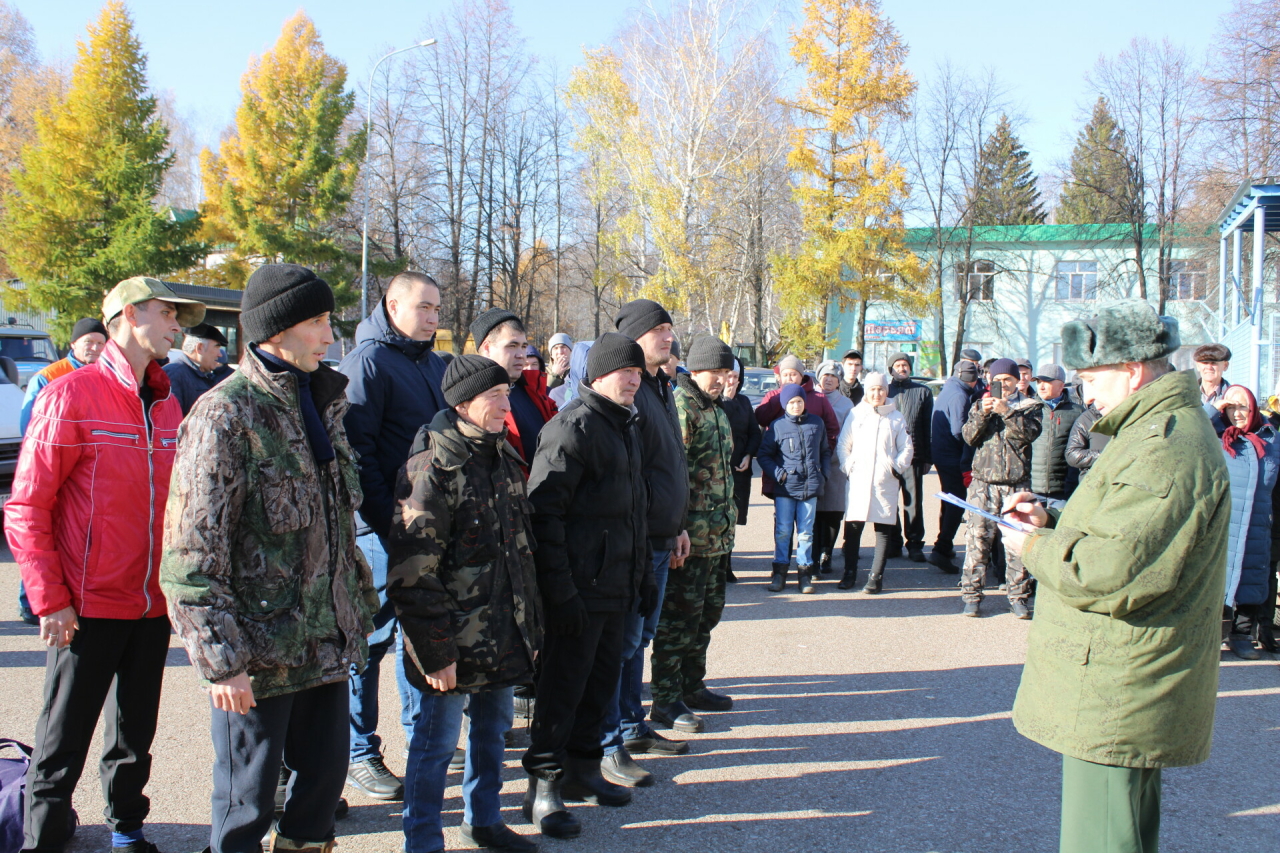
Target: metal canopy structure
x,y
1255,209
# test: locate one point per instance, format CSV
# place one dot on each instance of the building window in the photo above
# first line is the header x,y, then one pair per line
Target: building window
x,y
1077,280
975,281
1188,281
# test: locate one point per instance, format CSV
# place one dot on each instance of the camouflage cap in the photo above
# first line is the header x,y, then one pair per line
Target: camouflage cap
x,y
142,288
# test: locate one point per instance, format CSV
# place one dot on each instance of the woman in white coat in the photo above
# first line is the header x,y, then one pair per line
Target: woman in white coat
x,y
873,449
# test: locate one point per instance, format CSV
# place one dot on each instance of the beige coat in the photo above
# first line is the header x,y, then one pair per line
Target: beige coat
x,y
873,447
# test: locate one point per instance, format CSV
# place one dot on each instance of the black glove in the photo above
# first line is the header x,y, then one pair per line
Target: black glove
x,y
567,619
648,597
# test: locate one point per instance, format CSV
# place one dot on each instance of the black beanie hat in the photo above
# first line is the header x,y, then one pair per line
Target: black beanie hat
x,y
639,316
469,376
707,352
87,326
487,322
280,296
613,351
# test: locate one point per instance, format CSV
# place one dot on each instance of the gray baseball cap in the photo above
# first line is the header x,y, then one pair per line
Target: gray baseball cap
x,y
1049,372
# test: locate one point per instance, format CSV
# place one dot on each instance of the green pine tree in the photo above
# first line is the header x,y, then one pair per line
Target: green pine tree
x,y
1004,188
287,172
81,215
1099,188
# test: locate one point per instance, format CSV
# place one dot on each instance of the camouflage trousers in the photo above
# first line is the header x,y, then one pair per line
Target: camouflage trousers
x,y
691,607
980,536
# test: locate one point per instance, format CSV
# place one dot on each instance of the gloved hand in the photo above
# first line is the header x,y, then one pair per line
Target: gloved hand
x,y
567,619
648,597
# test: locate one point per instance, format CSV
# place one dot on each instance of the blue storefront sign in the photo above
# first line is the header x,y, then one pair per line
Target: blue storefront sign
x,y
891,330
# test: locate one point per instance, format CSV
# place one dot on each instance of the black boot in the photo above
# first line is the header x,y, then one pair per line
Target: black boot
x,y
824,565
779,579
621,769
806,580
544,809
873,584
850,578
497,837
583,781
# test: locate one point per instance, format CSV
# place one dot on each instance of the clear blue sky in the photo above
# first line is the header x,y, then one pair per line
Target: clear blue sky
x,y
199,48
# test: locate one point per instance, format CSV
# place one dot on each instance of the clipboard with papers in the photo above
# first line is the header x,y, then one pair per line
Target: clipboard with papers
x,y
968,507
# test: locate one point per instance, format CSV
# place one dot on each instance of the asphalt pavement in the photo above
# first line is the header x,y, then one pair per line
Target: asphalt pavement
x,y
860,723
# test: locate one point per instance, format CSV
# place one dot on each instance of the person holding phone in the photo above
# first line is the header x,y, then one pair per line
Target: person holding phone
x,y
1001,428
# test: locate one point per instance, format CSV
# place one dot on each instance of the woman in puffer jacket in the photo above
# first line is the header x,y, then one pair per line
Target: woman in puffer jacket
x,y
874,446
1252,449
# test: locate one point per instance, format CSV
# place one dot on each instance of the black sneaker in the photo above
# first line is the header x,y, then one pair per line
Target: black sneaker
x,y
372,778
676,716
943,561
497,837
655,744
705,700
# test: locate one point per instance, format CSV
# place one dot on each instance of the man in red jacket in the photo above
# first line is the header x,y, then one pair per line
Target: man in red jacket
x,y
85,524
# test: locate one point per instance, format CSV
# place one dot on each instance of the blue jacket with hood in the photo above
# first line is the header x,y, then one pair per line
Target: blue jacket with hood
x,y
394,391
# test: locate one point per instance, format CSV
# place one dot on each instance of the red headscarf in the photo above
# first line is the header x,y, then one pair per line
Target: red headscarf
x,y
1250,434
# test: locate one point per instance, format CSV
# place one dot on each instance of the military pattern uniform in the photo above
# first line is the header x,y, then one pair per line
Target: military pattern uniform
x,y
980,536
694,599
460,561
260,564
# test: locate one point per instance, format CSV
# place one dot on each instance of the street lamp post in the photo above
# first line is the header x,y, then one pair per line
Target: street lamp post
x,y
368,130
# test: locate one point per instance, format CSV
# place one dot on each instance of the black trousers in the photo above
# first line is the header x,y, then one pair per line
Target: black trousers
x,y
742,493
307,730
578,681
950,517
912,526
119,662
826,530
853,534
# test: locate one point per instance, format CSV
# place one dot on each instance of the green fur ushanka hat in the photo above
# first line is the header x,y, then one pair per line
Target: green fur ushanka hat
x,y
1129,330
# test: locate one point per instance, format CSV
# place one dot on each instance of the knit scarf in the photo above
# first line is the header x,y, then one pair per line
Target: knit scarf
x,y
1249,434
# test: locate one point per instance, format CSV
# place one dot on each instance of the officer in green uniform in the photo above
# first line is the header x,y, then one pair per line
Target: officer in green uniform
x,y
1122,659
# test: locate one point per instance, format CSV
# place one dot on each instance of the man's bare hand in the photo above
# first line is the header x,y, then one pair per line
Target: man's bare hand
x,y
445,679
681,552
233,695
746,464
58,629
1000,406
560,364
1022,509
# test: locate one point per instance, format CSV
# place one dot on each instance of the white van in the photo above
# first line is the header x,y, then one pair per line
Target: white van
x,y
10,437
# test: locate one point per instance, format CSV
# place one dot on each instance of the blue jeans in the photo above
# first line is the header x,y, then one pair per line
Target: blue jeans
x,y
434,737
23,601
789,512
625,718
365,743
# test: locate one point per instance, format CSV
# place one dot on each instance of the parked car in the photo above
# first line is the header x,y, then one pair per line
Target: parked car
x,y
759,382
31,350
10,436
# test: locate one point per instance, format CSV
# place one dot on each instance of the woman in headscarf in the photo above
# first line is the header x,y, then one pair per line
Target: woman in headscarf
x,y
746,444
873,447
1252,450
826,528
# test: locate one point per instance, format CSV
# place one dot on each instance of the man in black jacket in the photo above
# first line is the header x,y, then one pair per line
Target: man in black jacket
x,y
851,376
953,457
587,486
199,366
666,476
915,402
394,391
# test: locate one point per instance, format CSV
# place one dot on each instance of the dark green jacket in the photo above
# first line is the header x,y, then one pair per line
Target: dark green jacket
x,y
460,558
260,563
1122,658
708,447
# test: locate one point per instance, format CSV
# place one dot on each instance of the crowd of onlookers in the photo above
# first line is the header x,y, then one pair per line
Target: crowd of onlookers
x,y
510,534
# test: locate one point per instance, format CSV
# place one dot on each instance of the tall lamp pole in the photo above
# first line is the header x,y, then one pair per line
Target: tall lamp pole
x,y
368,129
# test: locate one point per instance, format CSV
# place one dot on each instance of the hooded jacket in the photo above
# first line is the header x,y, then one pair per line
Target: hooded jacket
x,y
533,385
460,560
1002,443
915,403
950,411
1122,657
188,381
394,390
588,490
815,403
666,468
260,563
85,519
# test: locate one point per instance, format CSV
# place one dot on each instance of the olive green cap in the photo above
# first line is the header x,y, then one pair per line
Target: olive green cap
x,y
142,288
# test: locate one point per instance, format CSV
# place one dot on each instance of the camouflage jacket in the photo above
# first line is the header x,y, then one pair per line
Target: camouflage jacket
x,y
1003,442
260,564
460,558
708,442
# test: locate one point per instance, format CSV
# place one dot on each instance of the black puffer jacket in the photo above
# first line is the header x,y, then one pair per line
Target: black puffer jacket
x,y
665,469
1050,473
1002,443
746,432
915,402
589,496
1083,446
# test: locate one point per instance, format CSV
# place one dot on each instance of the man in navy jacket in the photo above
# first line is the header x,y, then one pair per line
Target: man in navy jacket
x,y
394,391
952,456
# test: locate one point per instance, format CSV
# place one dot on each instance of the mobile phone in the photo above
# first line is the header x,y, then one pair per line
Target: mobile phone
x,y
997,389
